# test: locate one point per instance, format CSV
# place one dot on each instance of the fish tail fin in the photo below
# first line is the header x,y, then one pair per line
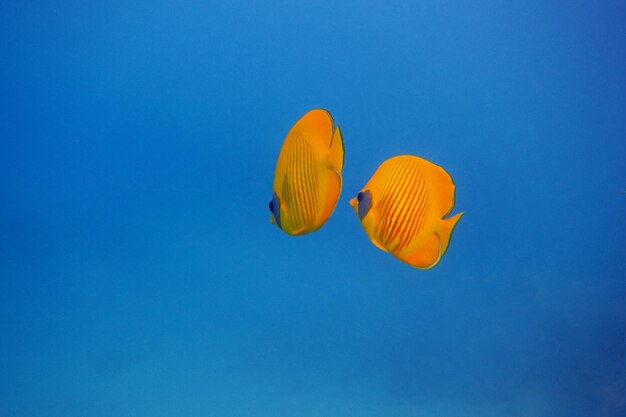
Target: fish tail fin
x,y
336,151
445,231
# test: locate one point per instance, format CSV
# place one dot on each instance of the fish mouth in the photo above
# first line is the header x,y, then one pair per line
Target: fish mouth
x,y
353,202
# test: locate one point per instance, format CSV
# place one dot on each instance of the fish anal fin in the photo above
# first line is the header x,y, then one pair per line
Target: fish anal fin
x,y
336,150
432,247
333,191
427,255
445,231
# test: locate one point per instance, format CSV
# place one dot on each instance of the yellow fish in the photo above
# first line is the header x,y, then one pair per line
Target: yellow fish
x,y
403,209
307,183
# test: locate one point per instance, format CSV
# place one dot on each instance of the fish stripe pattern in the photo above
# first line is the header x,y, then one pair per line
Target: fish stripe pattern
x,y
301,171
405,212
307,181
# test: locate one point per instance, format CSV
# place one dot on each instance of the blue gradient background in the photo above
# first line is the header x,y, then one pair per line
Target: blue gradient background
x,y
139,273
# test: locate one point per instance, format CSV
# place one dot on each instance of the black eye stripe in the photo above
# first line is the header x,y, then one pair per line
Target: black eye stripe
x,y
275,209
365,203
359,197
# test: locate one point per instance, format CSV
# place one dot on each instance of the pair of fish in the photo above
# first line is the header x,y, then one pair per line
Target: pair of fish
x,y
403,207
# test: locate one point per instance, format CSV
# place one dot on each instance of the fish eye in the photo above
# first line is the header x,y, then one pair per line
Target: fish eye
x,y
359,197
272,206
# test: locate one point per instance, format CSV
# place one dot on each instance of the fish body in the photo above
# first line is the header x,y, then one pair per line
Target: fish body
x,y
308,177
403,209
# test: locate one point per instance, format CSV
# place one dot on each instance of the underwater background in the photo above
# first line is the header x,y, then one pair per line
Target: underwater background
x,y
139,272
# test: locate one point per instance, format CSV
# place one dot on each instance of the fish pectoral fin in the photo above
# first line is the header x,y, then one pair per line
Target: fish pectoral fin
x,y
333,191
285,189
336,151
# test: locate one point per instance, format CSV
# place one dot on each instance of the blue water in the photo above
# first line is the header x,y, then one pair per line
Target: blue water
x,y
139,273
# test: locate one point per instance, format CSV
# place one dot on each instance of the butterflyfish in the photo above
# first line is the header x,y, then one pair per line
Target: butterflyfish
x,y
308,180
403,210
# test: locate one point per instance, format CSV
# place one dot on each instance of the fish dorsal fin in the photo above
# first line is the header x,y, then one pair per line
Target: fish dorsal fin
x,y
317,128
441,187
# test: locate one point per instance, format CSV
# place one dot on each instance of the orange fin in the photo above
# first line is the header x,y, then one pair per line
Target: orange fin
x,y
333,191
336,151
441,187
317,127
435,245
446,229
428,255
